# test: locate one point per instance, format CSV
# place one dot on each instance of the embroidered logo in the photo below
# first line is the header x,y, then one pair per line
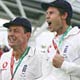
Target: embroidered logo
x,y
4,65
65,49
24,68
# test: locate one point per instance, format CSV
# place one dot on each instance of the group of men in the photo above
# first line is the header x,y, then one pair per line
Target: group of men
x,y
61,61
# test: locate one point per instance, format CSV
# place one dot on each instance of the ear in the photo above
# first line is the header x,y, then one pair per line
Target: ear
x,y
65,15
28,35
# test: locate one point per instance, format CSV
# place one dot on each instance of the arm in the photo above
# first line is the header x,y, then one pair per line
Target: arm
x,y
69,67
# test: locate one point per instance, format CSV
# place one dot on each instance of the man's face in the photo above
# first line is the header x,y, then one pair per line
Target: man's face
x,y
16,36
54,19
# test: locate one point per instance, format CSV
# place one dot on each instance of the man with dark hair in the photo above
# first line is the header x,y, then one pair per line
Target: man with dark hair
x,y
63,56
21,63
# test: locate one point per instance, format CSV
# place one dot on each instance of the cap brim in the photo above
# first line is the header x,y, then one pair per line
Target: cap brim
x,y
7,25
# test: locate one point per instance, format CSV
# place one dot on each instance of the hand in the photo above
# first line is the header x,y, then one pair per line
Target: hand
x,y
57,60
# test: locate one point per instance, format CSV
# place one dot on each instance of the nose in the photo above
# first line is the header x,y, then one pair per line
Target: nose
x,y
47,15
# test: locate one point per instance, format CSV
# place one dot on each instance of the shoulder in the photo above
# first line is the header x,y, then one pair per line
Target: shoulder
x,y
32,50
74,31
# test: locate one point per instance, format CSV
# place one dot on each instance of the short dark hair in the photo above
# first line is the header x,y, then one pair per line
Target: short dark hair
x,y
68,19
